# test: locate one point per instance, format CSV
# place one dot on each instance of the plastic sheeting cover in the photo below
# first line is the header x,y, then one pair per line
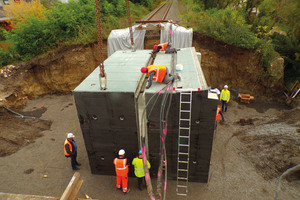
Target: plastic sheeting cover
x,y
119,39
179,36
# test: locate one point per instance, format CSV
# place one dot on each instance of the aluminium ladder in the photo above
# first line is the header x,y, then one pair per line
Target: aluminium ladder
x,y
184,142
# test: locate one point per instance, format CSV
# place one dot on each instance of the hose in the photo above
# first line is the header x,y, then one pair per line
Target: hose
x,y
20,115
288,171
163,127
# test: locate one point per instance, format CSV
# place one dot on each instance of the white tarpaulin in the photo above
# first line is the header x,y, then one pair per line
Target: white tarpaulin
x,y
179,36
119,39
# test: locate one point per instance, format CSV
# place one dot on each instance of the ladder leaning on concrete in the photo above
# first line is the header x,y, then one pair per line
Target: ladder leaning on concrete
x,y
185,108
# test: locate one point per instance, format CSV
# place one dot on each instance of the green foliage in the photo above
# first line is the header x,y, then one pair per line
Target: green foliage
x,y
2,34
237,26
225,25
146,3
288,48
32,38
49,3
6,56
63,24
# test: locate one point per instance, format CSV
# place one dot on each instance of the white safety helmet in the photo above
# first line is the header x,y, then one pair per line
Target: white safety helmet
x,y
121,152
225,86
70,135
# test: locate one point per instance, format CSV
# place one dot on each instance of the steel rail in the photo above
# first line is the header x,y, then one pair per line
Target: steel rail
x,y
159,9
167,12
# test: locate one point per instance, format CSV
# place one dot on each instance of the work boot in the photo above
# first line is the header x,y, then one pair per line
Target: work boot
x,y
177,77
76,169
126,192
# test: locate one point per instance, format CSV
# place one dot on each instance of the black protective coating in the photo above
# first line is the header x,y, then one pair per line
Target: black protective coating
x,y
108,123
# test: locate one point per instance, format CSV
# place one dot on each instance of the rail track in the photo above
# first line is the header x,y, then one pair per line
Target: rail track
x,y
159,14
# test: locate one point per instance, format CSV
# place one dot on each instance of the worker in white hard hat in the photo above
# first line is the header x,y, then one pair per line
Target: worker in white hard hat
x,y
70,148
224,97
121,167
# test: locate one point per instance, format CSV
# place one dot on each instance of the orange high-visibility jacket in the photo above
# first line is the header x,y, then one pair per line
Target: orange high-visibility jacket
x,y
218,114
160,72
121,166
163,46
70,147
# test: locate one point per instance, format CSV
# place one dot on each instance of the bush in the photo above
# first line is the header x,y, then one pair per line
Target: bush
x,y
225,25
6,56
288,49
2,34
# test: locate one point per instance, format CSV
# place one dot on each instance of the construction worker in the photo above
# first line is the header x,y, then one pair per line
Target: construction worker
x,y
121,168
224,97
139,168
219,113
70,148
163,47
157,73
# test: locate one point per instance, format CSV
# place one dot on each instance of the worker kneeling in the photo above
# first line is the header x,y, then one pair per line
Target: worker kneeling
x,y
139,168
157,73
163,47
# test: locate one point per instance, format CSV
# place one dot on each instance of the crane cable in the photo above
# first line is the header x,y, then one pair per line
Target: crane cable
x,y
102,75
129,24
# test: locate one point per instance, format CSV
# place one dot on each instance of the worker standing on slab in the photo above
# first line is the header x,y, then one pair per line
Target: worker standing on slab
x,y
139,169
157,73
224,97
70,148
121,168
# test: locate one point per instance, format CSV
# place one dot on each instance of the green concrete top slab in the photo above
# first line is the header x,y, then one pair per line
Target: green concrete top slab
x,y
123,71
191,76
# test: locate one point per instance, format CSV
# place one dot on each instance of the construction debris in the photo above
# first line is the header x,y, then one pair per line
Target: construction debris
x,y
7,71
245,98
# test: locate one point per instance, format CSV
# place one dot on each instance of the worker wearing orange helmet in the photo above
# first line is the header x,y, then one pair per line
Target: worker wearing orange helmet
x,y
157,73
121,168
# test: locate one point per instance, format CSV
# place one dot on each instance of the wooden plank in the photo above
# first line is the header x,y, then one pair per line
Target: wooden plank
x,y
10,196
76,189
73,188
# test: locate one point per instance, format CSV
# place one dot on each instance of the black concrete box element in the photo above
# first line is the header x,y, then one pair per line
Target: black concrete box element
x,y
108,123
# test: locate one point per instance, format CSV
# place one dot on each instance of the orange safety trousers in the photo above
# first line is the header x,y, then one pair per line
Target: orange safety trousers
x,y
124,181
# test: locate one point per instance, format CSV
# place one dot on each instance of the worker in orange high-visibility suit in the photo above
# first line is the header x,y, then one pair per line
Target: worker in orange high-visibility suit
x,y
219,113
157,73
163,47
121,168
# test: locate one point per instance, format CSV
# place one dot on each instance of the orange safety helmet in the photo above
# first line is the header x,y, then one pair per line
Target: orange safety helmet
x,y
144,69
155,47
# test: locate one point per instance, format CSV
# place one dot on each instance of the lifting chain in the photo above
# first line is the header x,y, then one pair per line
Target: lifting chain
x,y
129,24
102,75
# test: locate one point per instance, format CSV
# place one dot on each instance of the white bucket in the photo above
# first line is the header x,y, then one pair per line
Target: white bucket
x,y
179,67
